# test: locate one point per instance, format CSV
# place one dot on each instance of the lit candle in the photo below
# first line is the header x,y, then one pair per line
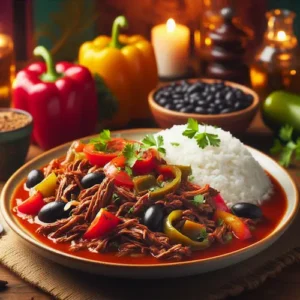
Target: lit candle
x,y
171,47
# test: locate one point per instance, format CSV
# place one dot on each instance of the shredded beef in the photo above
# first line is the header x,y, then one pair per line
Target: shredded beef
x,y
130,237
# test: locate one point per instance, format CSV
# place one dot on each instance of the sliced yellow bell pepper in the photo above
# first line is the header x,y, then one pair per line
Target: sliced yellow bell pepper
x,y
47,186
127,65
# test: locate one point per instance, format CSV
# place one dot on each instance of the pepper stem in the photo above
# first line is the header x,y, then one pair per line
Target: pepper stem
x,y
51,74
119,22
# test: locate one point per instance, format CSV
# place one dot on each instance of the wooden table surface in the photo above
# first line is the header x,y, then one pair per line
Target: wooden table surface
x,y
285,286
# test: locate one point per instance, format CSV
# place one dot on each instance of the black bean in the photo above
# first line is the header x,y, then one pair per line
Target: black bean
x,y
200,110
176,96
177,101
178,88
229,103
178,106
194,87
193,102
190,108
162,101
194,95
168,106
218,95
249,97
183,110
210,98
237,105
218,101
226,110
220,107
229,96
158,95
211,111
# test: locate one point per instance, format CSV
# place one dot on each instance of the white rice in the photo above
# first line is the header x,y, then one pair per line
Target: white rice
x,y
229,168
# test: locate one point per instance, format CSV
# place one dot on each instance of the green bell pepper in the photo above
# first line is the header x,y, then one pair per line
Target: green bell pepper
x,y
169,187
281,108
177,237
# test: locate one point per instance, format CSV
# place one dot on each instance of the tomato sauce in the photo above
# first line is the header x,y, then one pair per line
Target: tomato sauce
x,y
273,211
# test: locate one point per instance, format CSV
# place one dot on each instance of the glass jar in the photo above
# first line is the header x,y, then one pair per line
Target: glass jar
x,y
7,69
275,65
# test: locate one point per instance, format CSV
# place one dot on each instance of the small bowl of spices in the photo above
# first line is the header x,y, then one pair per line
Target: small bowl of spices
x,y
225,104
15,131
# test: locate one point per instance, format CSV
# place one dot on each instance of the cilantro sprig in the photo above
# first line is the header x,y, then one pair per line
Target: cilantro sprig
x,y
203,139
131,153
286,147
100,142
150,141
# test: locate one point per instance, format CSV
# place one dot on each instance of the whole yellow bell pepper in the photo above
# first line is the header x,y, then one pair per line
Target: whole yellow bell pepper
x,y
127,65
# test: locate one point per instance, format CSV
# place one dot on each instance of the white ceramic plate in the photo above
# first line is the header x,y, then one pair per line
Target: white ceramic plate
x,y
148,271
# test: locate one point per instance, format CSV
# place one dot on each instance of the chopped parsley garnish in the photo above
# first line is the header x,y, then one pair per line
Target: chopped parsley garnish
x,y
198,199
203,139
288,147
175,144
100,142
150,141
202,235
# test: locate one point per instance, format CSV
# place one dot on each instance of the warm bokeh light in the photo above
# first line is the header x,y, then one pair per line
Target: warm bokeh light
x,y
258,79
293,72
171,25
281,35
207,41
3,41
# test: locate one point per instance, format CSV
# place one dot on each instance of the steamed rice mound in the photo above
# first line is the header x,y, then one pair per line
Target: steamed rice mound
x,y
229,168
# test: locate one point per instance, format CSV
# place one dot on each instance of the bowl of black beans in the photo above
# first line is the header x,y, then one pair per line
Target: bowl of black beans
x,y
225,104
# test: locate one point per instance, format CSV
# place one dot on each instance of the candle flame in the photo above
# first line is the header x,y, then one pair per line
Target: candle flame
x,y
281,35
3,41
171,25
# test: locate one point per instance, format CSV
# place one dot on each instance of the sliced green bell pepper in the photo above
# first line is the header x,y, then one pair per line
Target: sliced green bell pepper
x,y
177,237
169,187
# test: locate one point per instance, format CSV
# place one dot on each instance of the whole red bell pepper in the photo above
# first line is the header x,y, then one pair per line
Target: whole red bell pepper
x,y
61,98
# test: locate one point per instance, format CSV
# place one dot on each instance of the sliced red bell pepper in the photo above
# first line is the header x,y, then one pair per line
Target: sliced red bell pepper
x,y
114,148
114,170
61,98
220,203
147,164
32,205
238,227
103,223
